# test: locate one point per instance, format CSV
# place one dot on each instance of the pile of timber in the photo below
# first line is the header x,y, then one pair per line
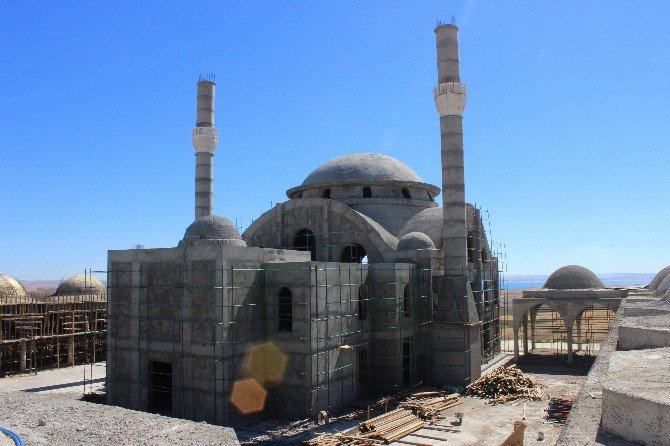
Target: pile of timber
x,y
506,383
429,405
410,416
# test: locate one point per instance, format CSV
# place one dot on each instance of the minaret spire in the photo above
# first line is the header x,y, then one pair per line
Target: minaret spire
x,y
205,139
450,96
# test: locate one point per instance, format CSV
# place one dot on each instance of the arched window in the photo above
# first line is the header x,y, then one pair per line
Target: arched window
x,y
405,193
285,310
326,193
353,254
367,192
405,301
305,240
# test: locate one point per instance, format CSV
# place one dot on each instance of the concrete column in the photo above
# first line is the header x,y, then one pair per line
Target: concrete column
x,y
533,317
22,355
516,344
205,139
525,333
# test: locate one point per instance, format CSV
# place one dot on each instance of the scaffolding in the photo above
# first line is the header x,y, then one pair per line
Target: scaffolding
x,y
315,337
42,332
487,263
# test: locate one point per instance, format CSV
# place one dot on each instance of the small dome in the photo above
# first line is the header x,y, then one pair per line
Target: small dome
x,y
213,227
362,167
658,278
80,284
429,222
573,277
415,240
10,288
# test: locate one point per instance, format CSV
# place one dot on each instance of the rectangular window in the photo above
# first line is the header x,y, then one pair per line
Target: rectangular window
x,y
285,310
160,387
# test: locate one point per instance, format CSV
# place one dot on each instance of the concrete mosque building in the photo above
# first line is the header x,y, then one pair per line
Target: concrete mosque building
x,y
359,284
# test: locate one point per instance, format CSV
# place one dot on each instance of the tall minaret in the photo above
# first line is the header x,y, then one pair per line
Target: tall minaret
x,y
450,96
205,139
456,326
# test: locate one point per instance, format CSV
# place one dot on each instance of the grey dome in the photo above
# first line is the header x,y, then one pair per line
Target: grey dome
x,y
415,240
10,288
429,222
362,167
80,284
212,227
573,277
658,278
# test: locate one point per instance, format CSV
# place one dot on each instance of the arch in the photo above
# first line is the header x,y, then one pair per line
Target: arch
x,y
326,193
305,240
285,310
367,192
405,193
353,254
591,326
406,304
380,245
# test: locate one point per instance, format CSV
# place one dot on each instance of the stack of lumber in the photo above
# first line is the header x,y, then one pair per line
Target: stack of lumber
x,y
410,416
429,405
506,383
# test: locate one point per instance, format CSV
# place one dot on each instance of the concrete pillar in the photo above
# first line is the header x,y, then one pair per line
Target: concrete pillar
x,y
533,317
22,355
516,344
525,333
205,139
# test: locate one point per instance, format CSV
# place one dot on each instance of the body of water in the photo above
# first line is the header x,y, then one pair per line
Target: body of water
x,y
614,281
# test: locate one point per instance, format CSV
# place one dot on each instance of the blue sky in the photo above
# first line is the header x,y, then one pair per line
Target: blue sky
x,y
566,128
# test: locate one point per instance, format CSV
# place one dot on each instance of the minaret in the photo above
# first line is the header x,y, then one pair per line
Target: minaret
x,y
450,96
456,355
205,139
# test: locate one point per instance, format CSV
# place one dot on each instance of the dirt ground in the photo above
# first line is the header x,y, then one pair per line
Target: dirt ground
x,y
484,424
45,409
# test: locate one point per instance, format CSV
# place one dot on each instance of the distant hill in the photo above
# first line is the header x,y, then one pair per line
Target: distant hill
x,y
40,286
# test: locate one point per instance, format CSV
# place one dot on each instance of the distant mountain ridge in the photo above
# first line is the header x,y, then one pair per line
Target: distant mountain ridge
x,y
645,277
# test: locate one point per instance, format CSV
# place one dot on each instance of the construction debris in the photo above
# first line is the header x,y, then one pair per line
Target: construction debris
x,y
410,416
558,410
506,383
516,437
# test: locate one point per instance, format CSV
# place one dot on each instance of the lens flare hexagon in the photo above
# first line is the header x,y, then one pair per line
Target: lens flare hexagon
x,y
265,362
248,396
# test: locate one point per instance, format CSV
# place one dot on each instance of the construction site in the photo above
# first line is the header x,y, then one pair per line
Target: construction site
x,y
359,312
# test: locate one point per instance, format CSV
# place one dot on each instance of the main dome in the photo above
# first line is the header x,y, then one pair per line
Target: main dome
x,y
362,167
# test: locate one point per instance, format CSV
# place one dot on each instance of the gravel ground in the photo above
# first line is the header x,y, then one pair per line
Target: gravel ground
x,y
69,421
